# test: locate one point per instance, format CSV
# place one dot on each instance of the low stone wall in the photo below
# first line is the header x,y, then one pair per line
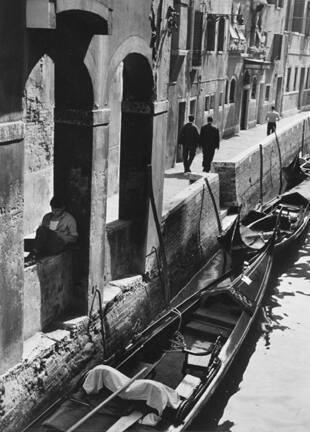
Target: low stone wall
x,y
189,230
240,178
48,287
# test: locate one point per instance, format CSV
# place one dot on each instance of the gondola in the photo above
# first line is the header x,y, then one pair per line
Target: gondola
x,y
162,379
296,172
291,209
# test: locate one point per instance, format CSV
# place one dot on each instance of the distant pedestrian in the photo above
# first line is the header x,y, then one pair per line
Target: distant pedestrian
x,y
272,117
209,141
189,139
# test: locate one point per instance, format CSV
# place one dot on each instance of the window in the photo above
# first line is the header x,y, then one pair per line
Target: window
x,y
267,93
196,59
254,87
212,102
226,91
298,16
308,79
276,47
210,34
221,34
288,80
307,28
288,15
232,91
220,99
295,78
192,107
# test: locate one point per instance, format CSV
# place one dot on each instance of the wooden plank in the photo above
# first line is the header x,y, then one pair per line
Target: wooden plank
x,y
219,317
207,330
187,386
124,423
198,361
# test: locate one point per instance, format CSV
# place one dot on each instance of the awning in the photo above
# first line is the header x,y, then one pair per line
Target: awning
x,y
233,32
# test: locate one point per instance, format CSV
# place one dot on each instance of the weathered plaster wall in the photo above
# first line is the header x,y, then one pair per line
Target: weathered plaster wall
x,y
11,182
48,288
39,143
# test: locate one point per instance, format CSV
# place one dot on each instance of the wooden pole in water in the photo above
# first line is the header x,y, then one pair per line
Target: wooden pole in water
x,y
218,219
280,162
261,173
303,137
160,237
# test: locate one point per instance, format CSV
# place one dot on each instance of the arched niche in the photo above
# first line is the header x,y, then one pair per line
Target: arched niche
x,y
130,151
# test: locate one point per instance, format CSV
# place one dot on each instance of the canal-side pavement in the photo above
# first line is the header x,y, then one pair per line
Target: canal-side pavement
x,y
230,148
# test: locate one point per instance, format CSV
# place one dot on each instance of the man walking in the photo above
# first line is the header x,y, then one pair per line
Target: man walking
x,y
209,141
272,117
189,139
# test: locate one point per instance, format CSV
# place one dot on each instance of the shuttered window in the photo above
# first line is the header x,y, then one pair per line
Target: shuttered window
x,y
197,38
298,15
276,47
221,35
210,34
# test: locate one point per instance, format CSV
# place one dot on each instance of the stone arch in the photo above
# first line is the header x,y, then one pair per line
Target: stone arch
x,y
95,7
126,48
232,90
130,149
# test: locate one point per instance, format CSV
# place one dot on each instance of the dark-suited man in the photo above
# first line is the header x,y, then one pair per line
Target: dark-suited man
x,y
209,141
189,139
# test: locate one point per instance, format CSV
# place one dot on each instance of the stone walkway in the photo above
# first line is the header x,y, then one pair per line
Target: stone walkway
x,y
230,148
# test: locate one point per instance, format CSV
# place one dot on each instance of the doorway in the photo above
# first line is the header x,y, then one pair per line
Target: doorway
x,y
131,133
301,88
181,121
278,94
244,108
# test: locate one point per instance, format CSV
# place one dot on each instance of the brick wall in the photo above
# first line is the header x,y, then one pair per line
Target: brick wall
x,y
240,179
189,231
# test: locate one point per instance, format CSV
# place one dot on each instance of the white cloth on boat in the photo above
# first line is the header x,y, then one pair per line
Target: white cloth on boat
x,y
150,419
156,395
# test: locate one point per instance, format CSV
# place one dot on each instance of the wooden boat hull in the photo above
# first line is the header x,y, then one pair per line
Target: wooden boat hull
x,y
223,310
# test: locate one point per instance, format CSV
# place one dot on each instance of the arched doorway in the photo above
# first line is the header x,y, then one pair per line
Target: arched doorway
x,y
130,152
60,88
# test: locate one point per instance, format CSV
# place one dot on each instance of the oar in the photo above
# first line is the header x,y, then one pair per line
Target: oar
x,y
105,402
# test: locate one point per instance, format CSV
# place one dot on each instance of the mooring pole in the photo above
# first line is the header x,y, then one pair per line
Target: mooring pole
x,y
303,137
261,173
218,219
280,162
160,237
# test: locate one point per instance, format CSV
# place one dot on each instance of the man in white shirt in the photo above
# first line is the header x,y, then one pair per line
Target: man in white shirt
x,y
272,117
58,229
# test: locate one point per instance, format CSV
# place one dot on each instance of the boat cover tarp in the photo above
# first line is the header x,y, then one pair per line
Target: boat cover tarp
x,y
156,395
300,194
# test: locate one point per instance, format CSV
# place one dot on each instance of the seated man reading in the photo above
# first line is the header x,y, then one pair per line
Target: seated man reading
x,y
58,229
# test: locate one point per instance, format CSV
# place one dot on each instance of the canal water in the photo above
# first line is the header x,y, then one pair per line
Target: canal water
x,y
267,388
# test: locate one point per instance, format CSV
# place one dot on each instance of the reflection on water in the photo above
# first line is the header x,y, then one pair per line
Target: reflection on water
x,y
267,388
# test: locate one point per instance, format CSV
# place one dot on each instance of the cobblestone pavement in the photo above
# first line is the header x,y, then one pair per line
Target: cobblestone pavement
x,y
175,180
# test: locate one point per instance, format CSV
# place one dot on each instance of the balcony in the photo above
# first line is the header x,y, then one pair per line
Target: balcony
x,y
237,42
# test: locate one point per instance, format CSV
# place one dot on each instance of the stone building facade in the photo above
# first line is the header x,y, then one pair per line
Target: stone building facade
x,y
92,92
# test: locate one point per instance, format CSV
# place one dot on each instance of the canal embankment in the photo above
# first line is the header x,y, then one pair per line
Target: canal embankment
x,y
189,226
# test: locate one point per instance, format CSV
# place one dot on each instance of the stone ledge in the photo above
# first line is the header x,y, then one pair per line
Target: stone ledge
x,y
13,131
188,192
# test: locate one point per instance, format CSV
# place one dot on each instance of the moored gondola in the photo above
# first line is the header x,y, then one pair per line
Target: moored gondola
x,y
180,360
291,210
